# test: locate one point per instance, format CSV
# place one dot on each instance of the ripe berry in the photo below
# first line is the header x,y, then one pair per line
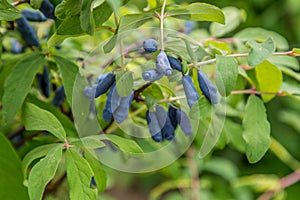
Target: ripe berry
x,y
44,82
150,45
190,90
47,9
59,96
34,16
152,75
163,64
175,64
208,89
27,32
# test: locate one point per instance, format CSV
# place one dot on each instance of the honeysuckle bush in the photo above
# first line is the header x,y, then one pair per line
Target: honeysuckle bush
x,y
77,100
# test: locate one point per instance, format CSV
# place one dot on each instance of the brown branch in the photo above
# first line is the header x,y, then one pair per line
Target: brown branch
x,y
284,182
16,132
20,2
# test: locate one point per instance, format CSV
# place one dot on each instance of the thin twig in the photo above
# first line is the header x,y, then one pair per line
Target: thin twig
x,y
162,15
19,2
284,183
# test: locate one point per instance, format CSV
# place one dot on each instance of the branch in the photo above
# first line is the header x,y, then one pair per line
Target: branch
x,y
162,15
195,183
254,91
19,2
284,182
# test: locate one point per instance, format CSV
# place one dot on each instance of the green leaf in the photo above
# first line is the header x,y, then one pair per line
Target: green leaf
x,y
43,172
256,129
227,73
99,173
70,26
87,18
124,83
233,132
285,61
68,8
36,4
125,145
233,18
197,12
88,142
260,35
260,52
8,12
101,14
11,181
69,72
38,152
79,175
116,4
18,83
269,79
36,118
63,119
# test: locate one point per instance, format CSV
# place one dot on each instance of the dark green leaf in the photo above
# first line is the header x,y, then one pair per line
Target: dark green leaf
x,y
269,79
69,72
18,83
68,8
36,153
101,14
233,132
70,26
227,73
99,173
260,52
198,12
8,12
285,61
79,175
124,83
43,172
86,17
37,119
256,129
11,181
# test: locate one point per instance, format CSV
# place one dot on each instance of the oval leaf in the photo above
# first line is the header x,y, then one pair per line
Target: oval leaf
x,y
269,79
10,172
43,172
260,52
198,12
256,129
18,83
8,12
38,119
227,73
79,175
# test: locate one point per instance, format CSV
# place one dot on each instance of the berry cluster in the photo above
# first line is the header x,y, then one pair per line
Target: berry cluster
x,y
116,107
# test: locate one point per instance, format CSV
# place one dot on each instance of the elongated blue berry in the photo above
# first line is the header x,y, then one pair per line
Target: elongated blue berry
x,y
90,92
121,113
16,47
34,16
184,122
44,82
153,126
172,113
27,32
112,102
152,75
163,64
150,45
208,89
167,129
175,64
47,9
105,81
59,96
190,90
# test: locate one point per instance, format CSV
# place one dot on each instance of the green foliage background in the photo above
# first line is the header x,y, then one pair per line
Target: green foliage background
x,y
224,174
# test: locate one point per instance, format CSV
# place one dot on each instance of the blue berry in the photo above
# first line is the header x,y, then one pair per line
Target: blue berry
x,y
105,81
153,126
208,89
150,45
167,129
163,64
59,96
172,112
175,64
190,90
47,9
111,103
34,16
90,92
152,75
27,32
16,47
184,122
44,82
121,113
